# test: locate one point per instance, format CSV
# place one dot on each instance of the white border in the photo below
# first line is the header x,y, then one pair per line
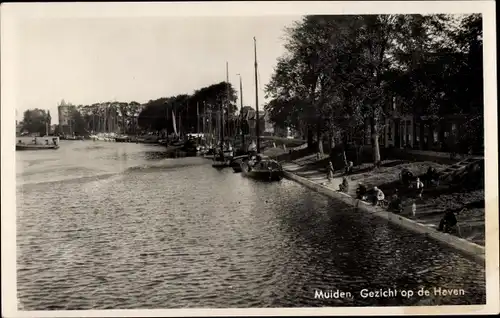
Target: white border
x,y
13,13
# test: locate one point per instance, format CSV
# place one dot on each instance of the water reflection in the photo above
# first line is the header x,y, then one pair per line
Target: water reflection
x,y
157,232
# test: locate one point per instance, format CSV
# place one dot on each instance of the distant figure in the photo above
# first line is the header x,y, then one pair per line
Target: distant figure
x,y
396,204
432,177
420,187
378,195
406,177
330,169
448,221
46,142
344,186
318,156
361,192
348,168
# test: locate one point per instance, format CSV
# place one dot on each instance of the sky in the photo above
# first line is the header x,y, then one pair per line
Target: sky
x,y
89,60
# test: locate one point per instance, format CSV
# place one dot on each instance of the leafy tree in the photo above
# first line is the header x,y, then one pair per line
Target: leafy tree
x,y
35,121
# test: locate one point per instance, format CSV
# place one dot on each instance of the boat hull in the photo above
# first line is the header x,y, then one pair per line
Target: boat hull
x,y
273,175
36,147
263,174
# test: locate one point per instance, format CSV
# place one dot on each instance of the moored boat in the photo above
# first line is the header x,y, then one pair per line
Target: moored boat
x,y
122,138
36,147
39,143
237,161
262,168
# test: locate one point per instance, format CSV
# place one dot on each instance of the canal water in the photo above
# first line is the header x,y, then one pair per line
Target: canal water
x,y
105,225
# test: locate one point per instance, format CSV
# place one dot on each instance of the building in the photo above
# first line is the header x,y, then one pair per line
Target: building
x,y
249,116
64,112
403,130
268,125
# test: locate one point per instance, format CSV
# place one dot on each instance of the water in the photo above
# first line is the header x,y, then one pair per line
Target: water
x,y
117,225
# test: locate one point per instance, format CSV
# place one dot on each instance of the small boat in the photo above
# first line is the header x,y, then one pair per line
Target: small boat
x,y
237,161
262,168
122,138
36,145
219,162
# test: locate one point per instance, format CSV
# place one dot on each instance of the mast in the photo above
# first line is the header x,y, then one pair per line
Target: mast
x,y
241,115
204,121
257,124
197,118
222,112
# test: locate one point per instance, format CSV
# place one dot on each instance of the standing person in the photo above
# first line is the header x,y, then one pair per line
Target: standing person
x,y
330,171
419,187
378,195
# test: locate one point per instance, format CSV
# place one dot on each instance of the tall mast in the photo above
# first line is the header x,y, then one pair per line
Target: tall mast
x,y
257,124
197,118
241,115
222,113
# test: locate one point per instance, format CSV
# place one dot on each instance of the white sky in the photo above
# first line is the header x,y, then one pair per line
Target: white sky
x,y
89,60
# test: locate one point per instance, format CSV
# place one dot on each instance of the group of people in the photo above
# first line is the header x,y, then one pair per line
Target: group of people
x,y
410,181
347,171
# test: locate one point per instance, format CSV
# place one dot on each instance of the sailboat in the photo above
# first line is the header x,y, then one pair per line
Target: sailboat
x,y
222,158
259,166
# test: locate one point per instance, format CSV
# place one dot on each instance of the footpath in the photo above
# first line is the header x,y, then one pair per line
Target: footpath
x,y
311,172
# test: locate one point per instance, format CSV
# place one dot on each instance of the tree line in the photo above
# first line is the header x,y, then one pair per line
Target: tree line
x,y
341,74
192,113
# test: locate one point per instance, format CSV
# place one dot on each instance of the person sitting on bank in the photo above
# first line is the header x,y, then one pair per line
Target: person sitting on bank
x,y
378,195
406,177
344,186
361,192
396,204
448,221
348,168
419,185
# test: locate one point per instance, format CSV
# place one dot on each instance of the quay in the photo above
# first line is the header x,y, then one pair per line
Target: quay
x,y
317,181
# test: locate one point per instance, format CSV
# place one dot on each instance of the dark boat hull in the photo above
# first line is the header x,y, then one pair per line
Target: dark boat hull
x,y
263,175
260,173
236,165
36,147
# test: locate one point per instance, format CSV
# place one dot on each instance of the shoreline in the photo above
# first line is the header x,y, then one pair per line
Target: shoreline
x,y
470,249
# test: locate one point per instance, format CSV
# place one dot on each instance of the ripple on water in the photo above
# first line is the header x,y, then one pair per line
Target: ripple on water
x,y
177,233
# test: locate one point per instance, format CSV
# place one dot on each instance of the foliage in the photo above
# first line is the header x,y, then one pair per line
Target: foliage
x,y
35,121
341,72
157,114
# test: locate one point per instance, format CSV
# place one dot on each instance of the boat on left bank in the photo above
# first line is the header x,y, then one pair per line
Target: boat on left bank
x,y
39,143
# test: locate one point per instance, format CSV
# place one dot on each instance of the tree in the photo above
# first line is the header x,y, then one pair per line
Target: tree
x,y
35,121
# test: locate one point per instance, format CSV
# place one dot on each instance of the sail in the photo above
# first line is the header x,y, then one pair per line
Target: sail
x,y
173,122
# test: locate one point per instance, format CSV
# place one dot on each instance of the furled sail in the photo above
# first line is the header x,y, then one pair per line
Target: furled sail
x,y
173,122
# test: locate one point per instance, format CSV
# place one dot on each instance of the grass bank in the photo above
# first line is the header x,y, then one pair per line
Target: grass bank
x,y
430,208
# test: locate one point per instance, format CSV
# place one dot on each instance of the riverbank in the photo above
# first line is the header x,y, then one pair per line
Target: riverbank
x,y
429,210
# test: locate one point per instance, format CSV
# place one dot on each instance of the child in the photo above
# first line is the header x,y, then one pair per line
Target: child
x,y
419,187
